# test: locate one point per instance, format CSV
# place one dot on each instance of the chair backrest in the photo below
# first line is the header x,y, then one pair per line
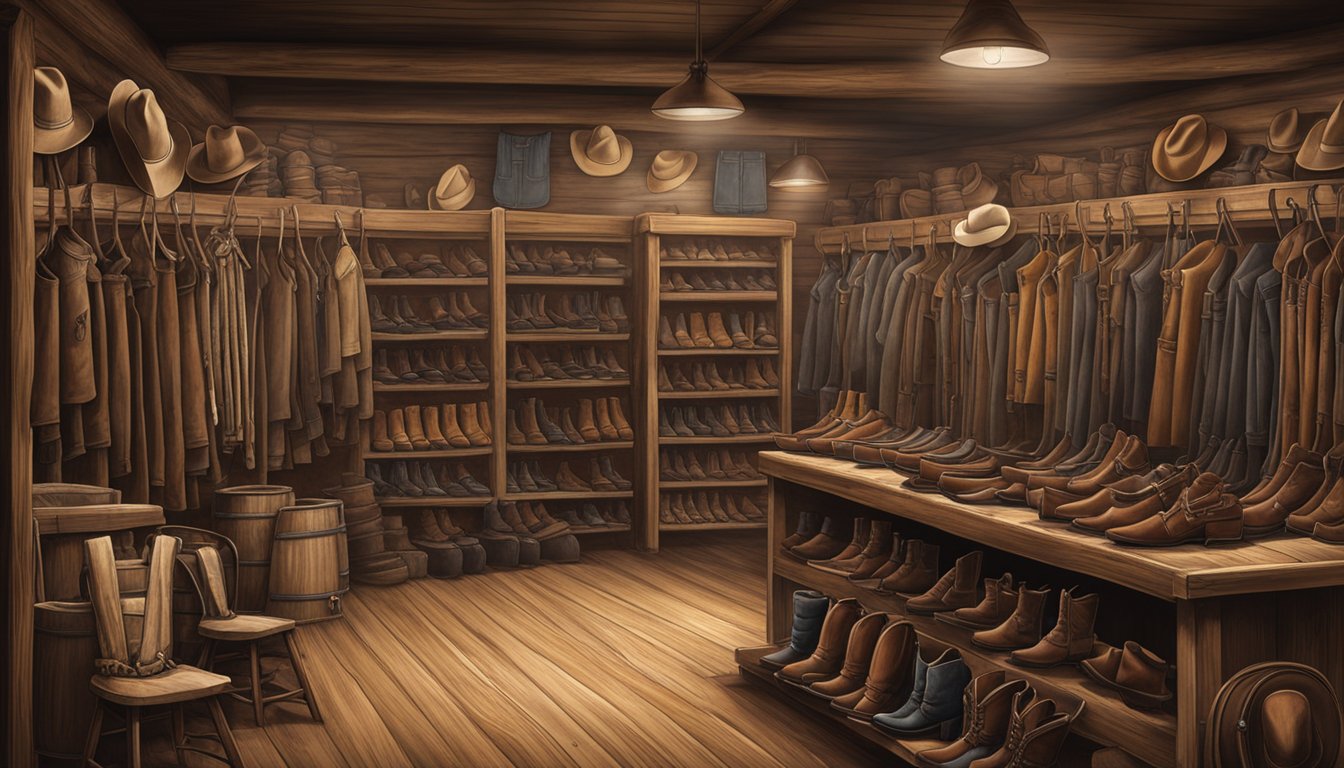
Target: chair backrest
x,y
134,633
214,574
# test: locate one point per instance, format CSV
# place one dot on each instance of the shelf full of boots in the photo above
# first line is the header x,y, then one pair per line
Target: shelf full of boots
x,y
717,318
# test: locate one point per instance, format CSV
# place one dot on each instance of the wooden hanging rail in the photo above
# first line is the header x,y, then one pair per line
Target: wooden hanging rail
x,y
1248,203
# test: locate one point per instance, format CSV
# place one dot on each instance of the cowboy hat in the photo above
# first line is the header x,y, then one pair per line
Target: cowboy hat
x,y
226,153
1188,148
600,152
670,169
977,189
455,189
1323,148
989,224
1274,715
58,124
153,149
1286,131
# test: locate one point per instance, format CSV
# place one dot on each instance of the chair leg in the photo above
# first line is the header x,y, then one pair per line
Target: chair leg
x,y
95,735
297,663
225,735
258,702
207,656
133,737
179,736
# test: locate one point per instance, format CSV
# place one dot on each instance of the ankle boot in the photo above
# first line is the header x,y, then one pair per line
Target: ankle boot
x,y
693,468
739,338
543,482
956,589
522,477
823,546
588,428
846,559
531,429
513,434
623,429
934,705
426,533
859,653
753,377
827,660
768,373
717,333
664,383
998,604
609,471
665,428
988,708
603,418
875,553
380,440
571,431
396,429
467,481
1071,639
568,481
809,611
680,334
598,480
715,381
422,476
1022,629
471,427
917,574
452,432
430,420
713,469
699,332
689,422
381,372
765,334
1036,734
415,430
890,674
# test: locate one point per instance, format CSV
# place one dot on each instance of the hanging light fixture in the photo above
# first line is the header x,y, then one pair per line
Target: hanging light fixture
x,y
991,35
802,170
698,97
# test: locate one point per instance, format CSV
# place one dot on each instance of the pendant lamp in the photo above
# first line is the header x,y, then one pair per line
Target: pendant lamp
x,y
698,97
991,35
801,171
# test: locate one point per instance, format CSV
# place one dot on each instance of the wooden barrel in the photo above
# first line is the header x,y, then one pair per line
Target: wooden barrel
x,y
65,645
246,514
309,563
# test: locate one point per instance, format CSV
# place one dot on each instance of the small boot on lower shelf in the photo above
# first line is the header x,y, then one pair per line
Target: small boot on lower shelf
x,y
934,705
917,574
987,711
829,656
1022,629
890,674
1036,733
956,589
858,659
1070,640
994,608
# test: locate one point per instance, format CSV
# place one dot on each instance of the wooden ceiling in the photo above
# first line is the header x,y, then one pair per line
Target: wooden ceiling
x,y
800,64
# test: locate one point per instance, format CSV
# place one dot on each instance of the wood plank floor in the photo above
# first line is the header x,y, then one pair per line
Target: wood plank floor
x,y
624,659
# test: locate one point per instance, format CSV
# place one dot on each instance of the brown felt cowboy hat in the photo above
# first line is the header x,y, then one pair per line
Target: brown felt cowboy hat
x,y
226,153
1323,148
1188,148
1286,131
153,149
455,189
1274,715
58,124
670,169
600,152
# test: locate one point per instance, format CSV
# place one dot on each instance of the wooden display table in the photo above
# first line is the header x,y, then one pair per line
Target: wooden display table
x,y
1280,598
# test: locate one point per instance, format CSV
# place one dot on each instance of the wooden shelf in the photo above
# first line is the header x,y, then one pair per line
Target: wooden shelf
x,y
687,296
480,386
582,336
730,264
587,530
712,440
713,226
685,485
557,281
717,394
463,335
565,227
567,384
1106,719
396,502
751,525
713,351
425,282
568,495
451,453
1281,562
615,445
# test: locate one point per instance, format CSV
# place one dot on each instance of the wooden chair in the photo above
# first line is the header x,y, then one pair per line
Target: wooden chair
x,y
219,624
135,670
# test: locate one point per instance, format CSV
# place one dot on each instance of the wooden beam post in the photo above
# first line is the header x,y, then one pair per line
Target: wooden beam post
x,y
763,18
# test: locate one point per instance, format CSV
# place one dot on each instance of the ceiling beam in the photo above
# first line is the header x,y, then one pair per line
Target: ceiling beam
x,y
763,18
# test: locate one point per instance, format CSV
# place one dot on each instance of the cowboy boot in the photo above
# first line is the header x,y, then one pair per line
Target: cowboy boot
x,y
431,422
598,480
809,613
623,429
700,332
717,333
998,604
588,427
859,652
415,430
956,589
380,440
451,431
917,574
1070,640
828,658
1022,629
568,481
890,674
532,434
571,431
396,428
471,427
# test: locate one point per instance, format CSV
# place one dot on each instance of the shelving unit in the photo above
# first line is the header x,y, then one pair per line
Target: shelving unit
x,y
655,234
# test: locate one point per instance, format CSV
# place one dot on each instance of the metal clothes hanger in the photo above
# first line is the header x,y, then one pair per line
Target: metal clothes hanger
x,y
1129,226
1225,223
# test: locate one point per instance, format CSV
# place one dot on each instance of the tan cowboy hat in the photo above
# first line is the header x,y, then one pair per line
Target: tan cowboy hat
x,y
226,153
977,189
58,124
1323,148
670,169
153,149
600,152
1188,148
1274,715
990,224
1286,131
455,189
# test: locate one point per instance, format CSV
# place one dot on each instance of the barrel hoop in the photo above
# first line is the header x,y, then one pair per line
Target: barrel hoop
x,y
311,534
303,598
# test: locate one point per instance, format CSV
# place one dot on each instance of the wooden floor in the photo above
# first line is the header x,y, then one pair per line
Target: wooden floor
x,y
624,659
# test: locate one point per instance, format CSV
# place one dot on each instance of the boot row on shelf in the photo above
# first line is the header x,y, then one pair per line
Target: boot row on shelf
x,y
431,427
596,516
710,507
715,250
599,420
528,478
713,331
564,363
549,260
705,377
451,365
571,312
511,536
718,280
721,464
724,421
873,668
396,314
455,261
419,479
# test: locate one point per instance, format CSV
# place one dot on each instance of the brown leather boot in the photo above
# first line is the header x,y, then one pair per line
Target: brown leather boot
x,y
618,420
858,658
717,333
827,660
753,377
1268,516
568,481
1071,638
1022,629
998,604
587,426
847,558
1132,460
396,429
824,546
1057,505
426,533
1036,732
699,332
1295,455
956,589
893,562
917,574
452,432
681,334
876,552
1130,508
415,430
666,340
471,426
988,709
890,677
527,412
431,421
379,440
1204,512
602,414
1136,672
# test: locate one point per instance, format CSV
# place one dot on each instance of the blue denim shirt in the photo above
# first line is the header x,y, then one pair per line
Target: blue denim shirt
x,y
739,182
523,170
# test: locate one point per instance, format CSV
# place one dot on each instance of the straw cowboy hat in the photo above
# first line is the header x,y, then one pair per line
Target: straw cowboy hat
x,y
58,124
153,149
455,189
1286,131
1188,148
1323,148
670,169
1274,715
226,153
600,152
990,224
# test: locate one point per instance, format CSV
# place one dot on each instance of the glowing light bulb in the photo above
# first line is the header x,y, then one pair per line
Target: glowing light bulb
x,y
992,54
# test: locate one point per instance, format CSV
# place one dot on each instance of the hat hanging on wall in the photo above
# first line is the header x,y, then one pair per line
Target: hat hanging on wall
x,y
1286,131
226,153
153,149
1271,715
1188,148
600,152
58,124
1323,148
455,189
670,169
990,224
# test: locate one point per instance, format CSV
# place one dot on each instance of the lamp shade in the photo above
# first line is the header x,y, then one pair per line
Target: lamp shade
x,y
991,35
698,97
800,171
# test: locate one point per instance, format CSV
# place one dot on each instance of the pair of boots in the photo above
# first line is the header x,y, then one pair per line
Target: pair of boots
x,y
1069,641
549,260
456,365
430,427
703,507
717,250
395,314
1004,723
575,312
705,377
715,331
451,551
603,478
686,466
583,363
523,518
715,280
414,479
459,261
723,422
599,420
597,516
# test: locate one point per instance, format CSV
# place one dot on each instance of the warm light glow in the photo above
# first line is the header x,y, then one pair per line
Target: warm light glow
x,y
993,55
1003,57
697,98
800,171
991,35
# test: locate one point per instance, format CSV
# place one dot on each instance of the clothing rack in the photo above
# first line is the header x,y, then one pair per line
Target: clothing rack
x,y
1198,207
